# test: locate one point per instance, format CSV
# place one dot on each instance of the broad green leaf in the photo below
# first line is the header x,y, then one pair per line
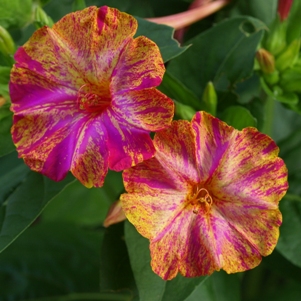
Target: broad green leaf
x,y
216,288
84,206
25,204
50,259
13,171
238,117
162,35
115,269
176,90
284,121
102,296
262,10
223,55
6,143
15,13
289,243
290,151
150,286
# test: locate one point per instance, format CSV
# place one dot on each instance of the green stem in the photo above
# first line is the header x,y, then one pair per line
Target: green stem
x,y
269,116
293,197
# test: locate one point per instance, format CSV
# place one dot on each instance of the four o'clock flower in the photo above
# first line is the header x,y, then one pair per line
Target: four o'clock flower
x,y
84,98
209,198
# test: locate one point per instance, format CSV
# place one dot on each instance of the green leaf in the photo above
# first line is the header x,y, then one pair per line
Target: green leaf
x,y
150,286
238,117
25,204
162,35
176,90
289,243
84,206
262,10
13,171
50,259
6,143
15,13
217,288
290,151
115,268
223,54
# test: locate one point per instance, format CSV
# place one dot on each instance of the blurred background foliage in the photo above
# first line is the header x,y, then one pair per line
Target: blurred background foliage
x,y
52,241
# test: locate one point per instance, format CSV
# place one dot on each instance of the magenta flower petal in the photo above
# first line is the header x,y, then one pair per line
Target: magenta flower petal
x,y
127,146
79,96
148,109
90,160
223,210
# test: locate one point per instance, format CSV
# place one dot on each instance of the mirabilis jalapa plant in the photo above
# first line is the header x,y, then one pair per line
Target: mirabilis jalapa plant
x,y
205,194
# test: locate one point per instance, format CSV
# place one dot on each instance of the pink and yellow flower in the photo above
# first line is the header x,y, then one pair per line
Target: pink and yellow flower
x,y
84,98
209,198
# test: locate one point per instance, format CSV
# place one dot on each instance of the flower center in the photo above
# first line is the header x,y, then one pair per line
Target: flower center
x,y
200,199
92,101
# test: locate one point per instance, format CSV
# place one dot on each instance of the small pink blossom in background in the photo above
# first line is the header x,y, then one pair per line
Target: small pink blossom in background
x,y
209,198
84,98
284,7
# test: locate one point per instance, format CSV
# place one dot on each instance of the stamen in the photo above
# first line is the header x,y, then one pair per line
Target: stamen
x,y
200,198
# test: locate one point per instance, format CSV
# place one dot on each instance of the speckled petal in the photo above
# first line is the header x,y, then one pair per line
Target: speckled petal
x,y
175,151
258,224
128,146
151,178
148,109
90,160
95,37
212,140
140,66
152,215
250,171
197,244
45,139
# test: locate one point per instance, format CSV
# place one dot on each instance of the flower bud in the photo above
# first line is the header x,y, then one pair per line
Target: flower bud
x,y
7,45
41,18
284,7
289,56
266,61
275,41
210,98
291,80
115,215
272,78
183,111
2,101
